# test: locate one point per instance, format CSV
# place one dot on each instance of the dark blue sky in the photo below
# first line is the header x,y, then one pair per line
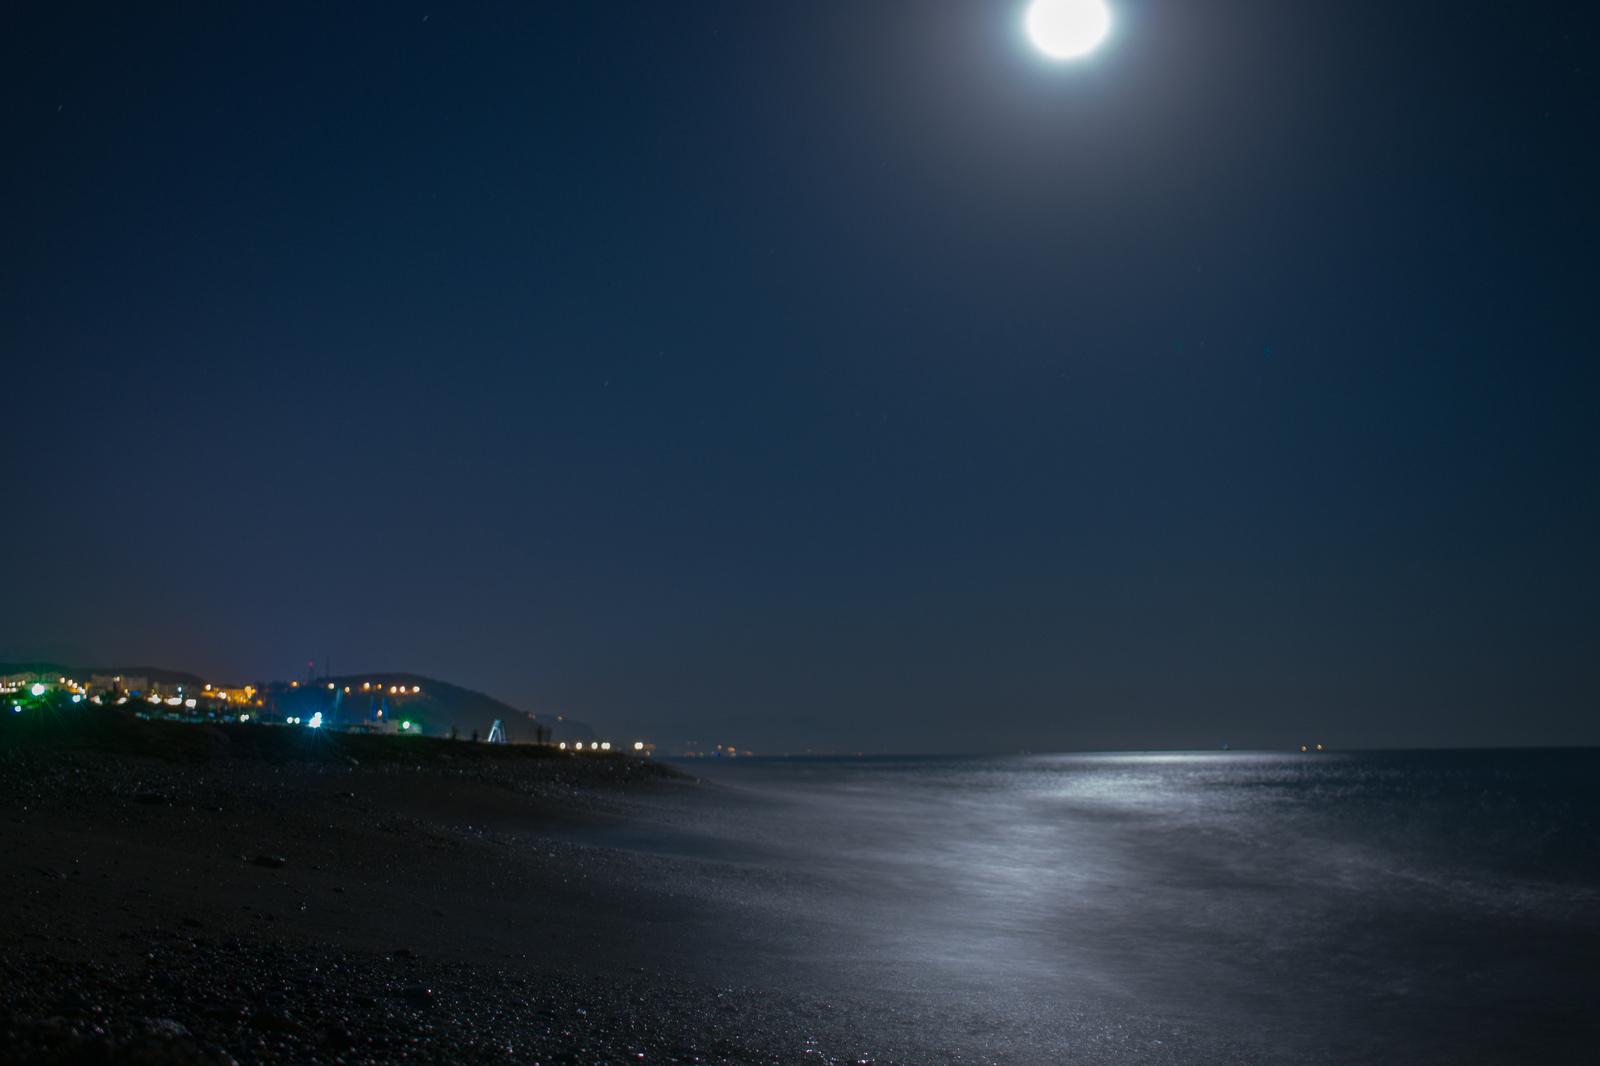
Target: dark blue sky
x,y
830,375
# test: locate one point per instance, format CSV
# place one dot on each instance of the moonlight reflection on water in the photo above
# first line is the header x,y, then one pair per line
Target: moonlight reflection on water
x,y
1246,907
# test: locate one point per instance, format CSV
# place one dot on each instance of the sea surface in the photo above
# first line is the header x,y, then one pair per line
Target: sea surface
x,y
1409,907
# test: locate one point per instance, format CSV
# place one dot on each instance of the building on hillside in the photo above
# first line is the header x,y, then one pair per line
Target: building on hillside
x,y
117,685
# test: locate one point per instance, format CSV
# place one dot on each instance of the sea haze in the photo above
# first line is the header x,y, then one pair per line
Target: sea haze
x,y
1380,907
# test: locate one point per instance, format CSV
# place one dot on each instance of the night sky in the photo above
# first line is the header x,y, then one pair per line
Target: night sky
x,y
826,375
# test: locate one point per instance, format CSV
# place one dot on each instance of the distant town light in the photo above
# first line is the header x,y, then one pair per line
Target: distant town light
x,y
405,725
244,718
316,721
638,745
37,689
416,688
563,745
606,745
75,699
189,702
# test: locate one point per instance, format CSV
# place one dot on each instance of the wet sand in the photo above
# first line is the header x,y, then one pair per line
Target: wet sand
x,y
438,910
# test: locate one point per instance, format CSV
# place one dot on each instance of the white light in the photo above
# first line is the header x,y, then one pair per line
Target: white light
x,y
606,745
37,690
316,721
173,701
189,703
638,745
75,699
563,745
1067,29
244,718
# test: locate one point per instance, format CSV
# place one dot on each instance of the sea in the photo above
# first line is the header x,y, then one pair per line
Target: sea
x,y
1371,907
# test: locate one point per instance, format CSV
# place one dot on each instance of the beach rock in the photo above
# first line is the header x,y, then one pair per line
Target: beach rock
x,y
405,953
419,996
154,799
339,1039
225,1014
72,1003
271,862
273,1020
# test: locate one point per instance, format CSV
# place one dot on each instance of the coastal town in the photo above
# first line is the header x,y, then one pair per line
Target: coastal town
x,y
393,704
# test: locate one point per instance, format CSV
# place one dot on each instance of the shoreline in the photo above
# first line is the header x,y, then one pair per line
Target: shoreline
x,y
152,921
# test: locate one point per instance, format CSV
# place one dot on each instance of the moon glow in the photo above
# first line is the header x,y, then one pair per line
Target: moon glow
x,y
1067,29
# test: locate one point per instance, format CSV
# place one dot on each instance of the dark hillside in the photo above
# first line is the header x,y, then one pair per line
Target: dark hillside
x,y
66,727
435,706
154,674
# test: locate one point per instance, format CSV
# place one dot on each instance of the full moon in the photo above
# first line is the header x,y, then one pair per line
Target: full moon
x,y
1067,29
